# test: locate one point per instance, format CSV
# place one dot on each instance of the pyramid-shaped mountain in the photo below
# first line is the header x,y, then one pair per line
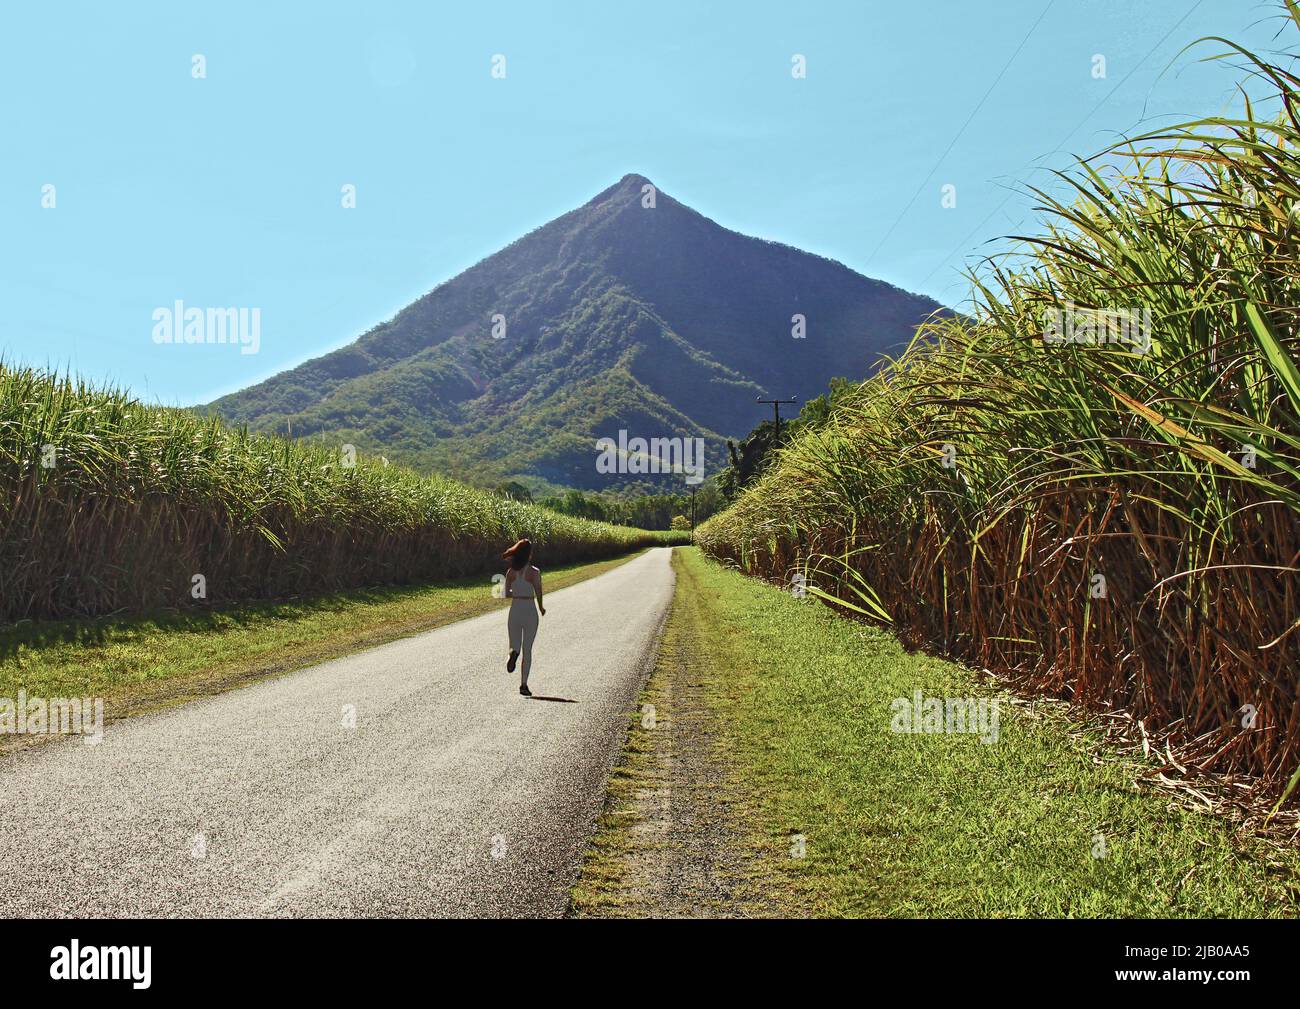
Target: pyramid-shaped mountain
x,y
633,312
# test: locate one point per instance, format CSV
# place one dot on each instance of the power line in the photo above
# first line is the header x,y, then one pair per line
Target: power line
x,y
776,411
1035,168
948,150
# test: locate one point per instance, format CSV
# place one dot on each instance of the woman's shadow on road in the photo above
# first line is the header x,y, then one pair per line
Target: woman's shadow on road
x,y
558,700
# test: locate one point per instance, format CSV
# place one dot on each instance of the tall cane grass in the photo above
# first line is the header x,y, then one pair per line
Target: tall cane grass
x,y
108,505
1113,522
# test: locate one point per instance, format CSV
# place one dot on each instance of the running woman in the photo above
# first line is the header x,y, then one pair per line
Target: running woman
x,y
523,586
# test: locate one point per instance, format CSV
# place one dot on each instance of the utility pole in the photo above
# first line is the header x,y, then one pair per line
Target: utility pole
x,y
776,411
692,509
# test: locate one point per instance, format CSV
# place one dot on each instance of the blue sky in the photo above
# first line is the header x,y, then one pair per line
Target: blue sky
x,y
225,191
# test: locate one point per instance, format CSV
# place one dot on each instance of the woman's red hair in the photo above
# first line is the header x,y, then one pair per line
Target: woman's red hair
x,y
519,553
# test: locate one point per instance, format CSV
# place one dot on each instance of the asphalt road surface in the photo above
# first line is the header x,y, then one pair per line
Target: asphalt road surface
x,y
453,795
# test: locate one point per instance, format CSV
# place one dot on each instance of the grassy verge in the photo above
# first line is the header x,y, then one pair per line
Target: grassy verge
x,y
670,842
605,887
896,824
138,664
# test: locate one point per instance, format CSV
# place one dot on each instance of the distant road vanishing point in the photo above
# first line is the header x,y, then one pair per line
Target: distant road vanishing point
x,y
451,796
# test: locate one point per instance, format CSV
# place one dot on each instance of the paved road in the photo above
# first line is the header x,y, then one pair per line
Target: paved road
x,y
452,796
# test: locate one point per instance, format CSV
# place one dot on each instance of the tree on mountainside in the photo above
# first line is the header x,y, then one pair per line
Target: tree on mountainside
x,y
515,491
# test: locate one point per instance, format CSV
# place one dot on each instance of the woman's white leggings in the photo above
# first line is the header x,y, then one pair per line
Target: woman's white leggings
x,y
522,626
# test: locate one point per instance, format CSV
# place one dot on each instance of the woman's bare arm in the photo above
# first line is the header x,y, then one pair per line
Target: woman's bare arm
x,y
537,584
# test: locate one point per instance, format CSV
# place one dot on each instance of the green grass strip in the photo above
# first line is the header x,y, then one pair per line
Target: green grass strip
x,y
942,825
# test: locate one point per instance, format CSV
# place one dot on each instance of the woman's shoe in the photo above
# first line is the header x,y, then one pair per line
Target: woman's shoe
x,y
523,689
510,666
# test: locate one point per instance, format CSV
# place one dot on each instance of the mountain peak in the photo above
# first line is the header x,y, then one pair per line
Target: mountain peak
x,y
622,315
628,188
